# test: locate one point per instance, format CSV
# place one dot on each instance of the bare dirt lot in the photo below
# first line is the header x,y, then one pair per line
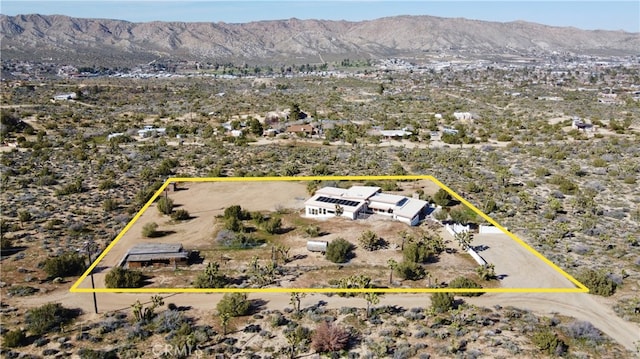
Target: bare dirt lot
x,y
206,200
515,265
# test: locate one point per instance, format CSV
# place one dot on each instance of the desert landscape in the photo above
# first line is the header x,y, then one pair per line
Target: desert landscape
x,y
537,126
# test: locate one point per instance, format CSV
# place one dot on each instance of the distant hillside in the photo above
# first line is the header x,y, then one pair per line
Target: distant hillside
x,y
96,41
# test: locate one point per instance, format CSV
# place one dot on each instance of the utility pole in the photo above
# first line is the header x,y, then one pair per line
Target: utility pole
x,y
88,247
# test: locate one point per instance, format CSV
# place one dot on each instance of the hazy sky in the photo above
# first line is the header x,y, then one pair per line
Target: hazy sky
x,y
606,15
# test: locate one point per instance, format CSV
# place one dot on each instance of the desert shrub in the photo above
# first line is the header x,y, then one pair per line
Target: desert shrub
x,y
584,331
211,277
312,231
50,316
180,215
149,230
329,338
442,198
547,341
417,252
232,240
237,212
339,250
85,353
441,215
566,186
120,277
370,241
410,270
67,264
233,224
441,302
273,225
75,187
598,282
22,290
234,304
14,338
165,205
464,282
107,184
109,205
168,321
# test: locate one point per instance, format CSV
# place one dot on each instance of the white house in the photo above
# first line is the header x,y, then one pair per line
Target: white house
x,y
149,131
361,200
463,116
65,96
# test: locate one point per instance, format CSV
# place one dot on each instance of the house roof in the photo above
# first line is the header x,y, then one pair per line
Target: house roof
x,y
361,192
386,198
331,191
330,202
394,133
156,251
155,248
410,208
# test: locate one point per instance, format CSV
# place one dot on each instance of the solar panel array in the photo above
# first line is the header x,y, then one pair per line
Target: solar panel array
x,y
342,202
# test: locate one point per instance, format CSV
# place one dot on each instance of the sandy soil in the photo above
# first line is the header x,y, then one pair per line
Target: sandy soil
x,y
517,266
204,201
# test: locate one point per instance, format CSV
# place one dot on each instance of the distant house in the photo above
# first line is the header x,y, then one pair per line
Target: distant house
x,y
580,124
359,201
155,255
149,131
65,96
304,130
395,133
463,116
114,135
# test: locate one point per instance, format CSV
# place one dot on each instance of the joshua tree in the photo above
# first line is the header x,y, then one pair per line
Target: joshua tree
x,y
393,265
295,299
464,239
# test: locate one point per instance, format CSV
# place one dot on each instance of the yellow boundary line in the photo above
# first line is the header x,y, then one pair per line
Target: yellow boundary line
x,y
74,289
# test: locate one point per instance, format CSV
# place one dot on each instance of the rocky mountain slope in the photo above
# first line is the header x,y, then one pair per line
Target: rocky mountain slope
x,y
86,40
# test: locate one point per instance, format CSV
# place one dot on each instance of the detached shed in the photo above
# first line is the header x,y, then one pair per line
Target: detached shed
x,y
156,255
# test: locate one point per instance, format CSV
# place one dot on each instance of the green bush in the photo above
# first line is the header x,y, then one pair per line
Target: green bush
x,y
441,302
417,252
273,225
339,251
312,231
410,270
548,342
234,304
464,282
165,205
598,282
180,215
211,277
236,212
370,241
65,265
149,229
14,338
50,316
120,277
442,198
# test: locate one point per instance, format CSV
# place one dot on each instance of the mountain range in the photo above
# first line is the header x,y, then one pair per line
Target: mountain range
x,y
90,41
